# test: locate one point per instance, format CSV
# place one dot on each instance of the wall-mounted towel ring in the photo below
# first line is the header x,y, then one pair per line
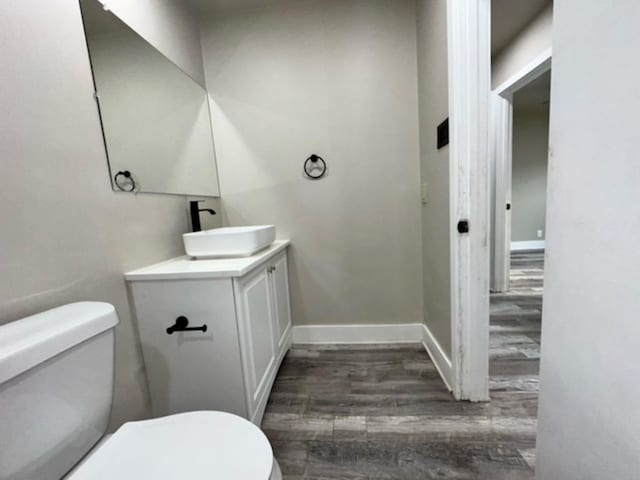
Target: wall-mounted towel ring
x,y
126,183
315,167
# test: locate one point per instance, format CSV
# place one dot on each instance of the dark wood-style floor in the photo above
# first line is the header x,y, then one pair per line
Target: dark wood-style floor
x,y
382,412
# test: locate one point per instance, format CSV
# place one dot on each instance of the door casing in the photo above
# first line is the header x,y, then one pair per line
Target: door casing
x,y
469,32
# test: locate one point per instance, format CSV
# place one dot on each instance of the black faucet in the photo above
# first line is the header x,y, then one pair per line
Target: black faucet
x,y
195,214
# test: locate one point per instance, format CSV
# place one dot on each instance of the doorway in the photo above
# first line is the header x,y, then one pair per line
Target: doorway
x,y
516,310
529,160
529,88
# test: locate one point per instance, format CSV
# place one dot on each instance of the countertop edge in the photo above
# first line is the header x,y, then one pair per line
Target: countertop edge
x,y
144,273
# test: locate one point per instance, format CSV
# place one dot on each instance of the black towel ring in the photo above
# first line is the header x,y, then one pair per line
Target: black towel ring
x,y
313,163
127,175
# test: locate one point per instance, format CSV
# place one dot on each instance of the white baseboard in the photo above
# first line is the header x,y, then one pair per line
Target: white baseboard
x,y
438,356
527,245
399,333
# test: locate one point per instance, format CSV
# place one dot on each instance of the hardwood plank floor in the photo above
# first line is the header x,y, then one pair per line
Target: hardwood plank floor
x,y
382,411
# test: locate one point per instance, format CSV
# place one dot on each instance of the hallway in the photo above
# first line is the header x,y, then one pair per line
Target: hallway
x,y
382,411
515,337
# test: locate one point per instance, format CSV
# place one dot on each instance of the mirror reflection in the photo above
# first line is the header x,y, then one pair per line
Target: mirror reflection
x,y
155,118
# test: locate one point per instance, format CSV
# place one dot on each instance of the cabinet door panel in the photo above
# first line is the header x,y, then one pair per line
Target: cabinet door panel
x,y
256,333
190,370
280,280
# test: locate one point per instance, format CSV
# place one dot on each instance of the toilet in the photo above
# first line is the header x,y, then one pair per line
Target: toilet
x,y
56,391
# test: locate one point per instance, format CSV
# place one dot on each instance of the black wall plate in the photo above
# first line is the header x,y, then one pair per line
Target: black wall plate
x,y
443,134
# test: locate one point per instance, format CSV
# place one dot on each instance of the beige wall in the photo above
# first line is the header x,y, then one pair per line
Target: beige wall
x,y
169,26
532,41
589,390
66,236
434,163
529,171
336,78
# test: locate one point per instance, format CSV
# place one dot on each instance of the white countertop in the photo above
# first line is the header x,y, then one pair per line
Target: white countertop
x,y
187,268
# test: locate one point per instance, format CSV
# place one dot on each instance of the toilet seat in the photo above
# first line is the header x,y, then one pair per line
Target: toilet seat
x,y
203,445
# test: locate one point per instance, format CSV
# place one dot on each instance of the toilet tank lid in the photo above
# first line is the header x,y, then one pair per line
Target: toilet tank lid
x,y
32,340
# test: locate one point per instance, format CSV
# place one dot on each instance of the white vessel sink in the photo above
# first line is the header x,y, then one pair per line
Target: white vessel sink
x,y
229,241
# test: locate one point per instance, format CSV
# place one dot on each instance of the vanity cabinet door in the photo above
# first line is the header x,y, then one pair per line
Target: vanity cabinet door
x,y
255,328
281,303
190,370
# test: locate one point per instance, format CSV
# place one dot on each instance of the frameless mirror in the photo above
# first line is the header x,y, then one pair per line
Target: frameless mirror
x,y
155,118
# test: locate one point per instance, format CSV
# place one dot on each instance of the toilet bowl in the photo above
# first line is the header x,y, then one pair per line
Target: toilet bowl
x,y
189,445
56,384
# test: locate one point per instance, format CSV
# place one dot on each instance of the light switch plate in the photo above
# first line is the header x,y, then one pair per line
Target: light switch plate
x,y
424,193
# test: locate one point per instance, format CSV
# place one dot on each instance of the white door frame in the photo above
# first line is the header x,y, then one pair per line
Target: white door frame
x,y
501,140
468,34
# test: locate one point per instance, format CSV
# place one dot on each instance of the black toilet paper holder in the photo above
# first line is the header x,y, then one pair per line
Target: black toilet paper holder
x,y
182,325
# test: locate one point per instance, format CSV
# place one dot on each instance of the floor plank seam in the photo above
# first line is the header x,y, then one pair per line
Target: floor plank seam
x,y
382,412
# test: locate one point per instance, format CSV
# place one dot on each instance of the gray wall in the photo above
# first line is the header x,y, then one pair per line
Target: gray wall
x,y
336,78
66,236
531,42
589,391
434,167
529,171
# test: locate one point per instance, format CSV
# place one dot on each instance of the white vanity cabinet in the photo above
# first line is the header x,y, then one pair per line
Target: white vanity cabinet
x,y
231,366
264,326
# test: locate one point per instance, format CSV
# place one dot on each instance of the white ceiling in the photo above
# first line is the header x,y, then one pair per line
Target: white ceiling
x,y
508,17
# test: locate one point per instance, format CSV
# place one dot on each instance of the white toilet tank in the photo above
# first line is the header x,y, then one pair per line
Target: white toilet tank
x,y
56,388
